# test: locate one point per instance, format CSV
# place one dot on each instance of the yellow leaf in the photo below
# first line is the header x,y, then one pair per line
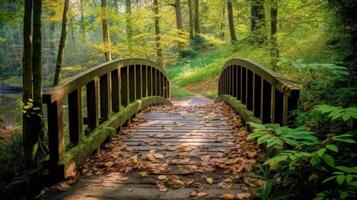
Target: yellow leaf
x,y
209,180
159,156
201,194
243,195
143,174
227,196
162,177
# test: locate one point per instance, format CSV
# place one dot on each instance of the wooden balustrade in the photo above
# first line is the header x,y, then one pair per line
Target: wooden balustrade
x,y
266,94
108,87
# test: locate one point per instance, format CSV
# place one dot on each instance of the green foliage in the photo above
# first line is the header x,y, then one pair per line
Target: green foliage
x,y
275,136
11,157
336,113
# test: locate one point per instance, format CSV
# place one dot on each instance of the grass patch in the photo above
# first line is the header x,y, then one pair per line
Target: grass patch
x,y
179,92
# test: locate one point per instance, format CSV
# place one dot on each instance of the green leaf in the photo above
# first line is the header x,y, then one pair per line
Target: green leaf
x,y
332,147
315,160
321,152
340,179
329,160
329,179
353,183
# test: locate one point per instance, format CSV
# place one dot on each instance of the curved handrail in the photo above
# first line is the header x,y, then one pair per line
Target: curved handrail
x,y
267,94
70,84
272,77
109,87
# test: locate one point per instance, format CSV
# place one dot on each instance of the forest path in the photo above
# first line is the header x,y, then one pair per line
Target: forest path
x,y
171,152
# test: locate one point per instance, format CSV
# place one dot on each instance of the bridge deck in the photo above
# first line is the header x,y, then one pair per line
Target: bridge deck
x,y
170,152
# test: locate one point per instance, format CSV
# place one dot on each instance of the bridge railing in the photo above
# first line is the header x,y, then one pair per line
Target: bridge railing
x,y
267,95
107,89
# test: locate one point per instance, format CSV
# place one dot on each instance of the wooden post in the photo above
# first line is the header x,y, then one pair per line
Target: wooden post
x,y
244,85
115,90
105,108
149,81
92,104
241,83
124,86
285,109
75,116
257,95
55,132
144,81
273,104
266,102
237,83
139,86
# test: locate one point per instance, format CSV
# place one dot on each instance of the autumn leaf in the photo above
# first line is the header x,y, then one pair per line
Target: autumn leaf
x,y
201,194
162,177
209,180
227,196
159,156
143,174
243,195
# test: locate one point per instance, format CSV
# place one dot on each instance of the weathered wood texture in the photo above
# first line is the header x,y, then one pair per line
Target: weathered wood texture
x,y
108,88
269,96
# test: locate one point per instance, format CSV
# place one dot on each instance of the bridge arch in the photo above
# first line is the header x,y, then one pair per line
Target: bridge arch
x,y
114,91
258,94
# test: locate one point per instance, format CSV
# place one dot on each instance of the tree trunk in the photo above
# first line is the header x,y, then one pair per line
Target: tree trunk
x,y
83,27
105,29
258,21
62,43
157,34
27,95
190,18
129,28
221,35
179,23
274,28
232,30
197,18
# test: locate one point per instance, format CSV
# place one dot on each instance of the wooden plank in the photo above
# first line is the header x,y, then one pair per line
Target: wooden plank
x,y
75,120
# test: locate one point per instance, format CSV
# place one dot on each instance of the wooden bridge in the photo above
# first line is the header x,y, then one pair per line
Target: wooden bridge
x,y
166,151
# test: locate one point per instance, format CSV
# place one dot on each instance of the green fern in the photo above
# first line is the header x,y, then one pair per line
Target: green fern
x,y
276,136
335,113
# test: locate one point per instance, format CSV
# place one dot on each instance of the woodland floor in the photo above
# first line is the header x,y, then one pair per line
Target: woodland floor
x,y
171,152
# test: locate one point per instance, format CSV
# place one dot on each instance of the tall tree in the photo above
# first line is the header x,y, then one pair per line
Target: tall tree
x,y
222,34
273,34
129,28
105,29
232,30
27,95
178,10
179,23
38,120
258,21
62,43
190,18
157,33
83,26
197,17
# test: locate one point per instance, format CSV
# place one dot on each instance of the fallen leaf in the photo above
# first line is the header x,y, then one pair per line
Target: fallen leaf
x,y
143,174
244,195
159,156
201,194
227,196
162,177
209,180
